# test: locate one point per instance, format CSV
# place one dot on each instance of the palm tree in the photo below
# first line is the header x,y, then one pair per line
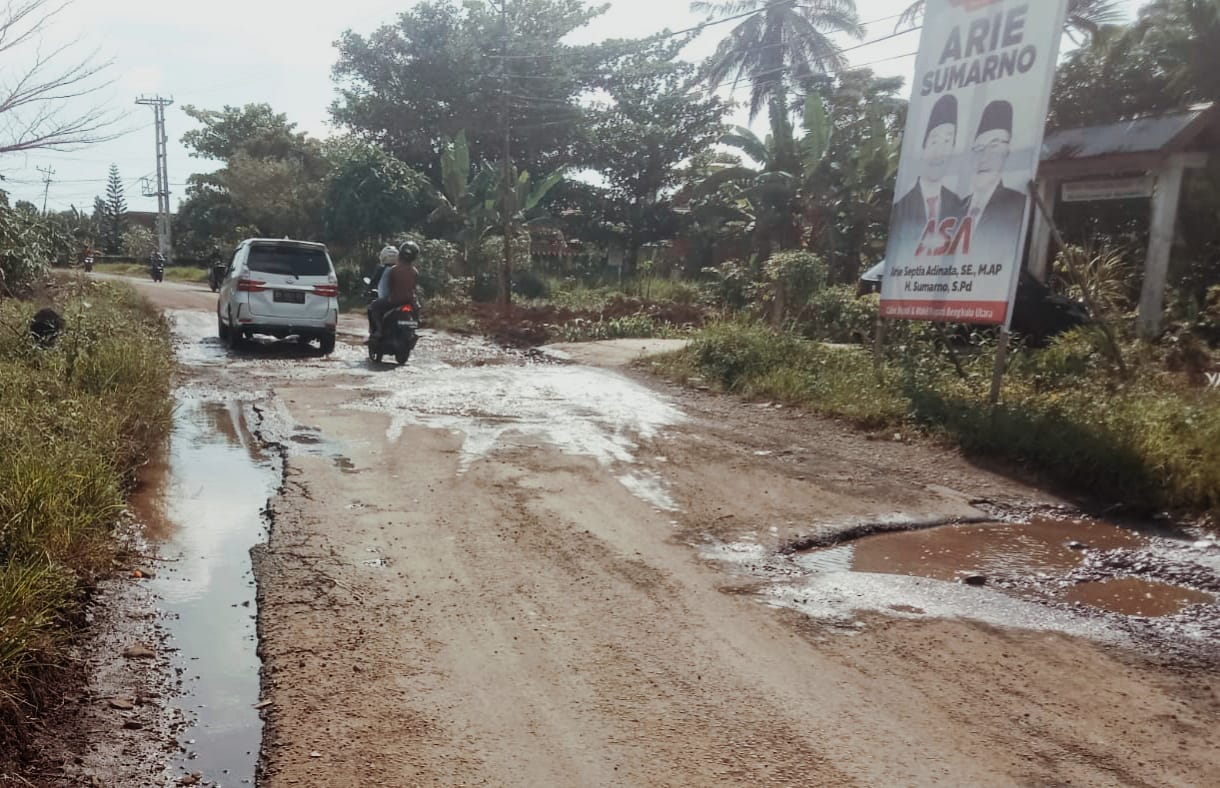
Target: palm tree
x,y
1187,34
1085,17
780,43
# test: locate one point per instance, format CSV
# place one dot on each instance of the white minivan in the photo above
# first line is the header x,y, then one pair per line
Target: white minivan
x,y
280,288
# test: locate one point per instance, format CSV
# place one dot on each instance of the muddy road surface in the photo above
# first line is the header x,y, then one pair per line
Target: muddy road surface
x,y
510,569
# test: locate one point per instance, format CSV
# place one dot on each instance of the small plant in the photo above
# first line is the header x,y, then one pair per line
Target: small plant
x,y
839,314
1100,275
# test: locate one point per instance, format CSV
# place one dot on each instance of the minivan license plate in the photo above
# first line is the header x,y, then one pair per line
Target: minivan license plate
x,y
289,297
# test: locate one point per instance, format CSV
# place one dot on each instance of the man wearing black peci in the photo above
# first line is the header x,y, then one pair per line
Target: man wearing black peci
x,y
996,212
930,199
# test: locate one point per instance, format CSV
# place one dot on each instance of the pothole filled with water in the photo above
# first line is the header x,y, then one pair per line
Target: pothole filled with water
x,y
203,508
1135,596
990,550
1077,576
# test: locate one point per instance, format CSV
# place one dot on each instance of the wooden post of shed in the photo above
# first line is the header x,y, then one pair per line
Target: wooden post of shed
x,y
1156,270
1040,242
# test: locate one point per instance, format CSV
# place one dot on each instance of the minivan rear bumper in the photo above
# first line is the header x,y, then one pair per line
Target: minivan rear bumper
x,y
280,331
281,327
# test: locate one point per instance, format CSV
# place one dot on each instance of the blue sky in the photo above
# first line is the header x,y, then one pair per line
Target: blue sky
x,y
241,51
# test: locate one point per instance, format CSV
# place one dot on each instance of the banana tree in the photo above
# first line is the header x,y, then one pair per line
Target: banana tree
x,y
772,192
463,196
513,208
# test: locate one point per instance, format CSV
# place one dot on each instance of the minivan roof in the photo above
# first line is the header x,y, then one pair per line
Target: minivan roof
x,y
284,242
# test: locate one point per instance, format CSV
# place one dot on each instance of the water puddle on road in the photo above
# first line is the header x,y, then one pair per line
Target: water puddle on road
x,y
1081,577
1135,596
581,411
204,509
989,550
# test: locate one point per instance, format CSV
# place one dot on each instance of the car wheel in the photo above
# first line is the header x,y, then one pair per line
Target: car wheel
x,y
327,344
234,335
222,330
402,357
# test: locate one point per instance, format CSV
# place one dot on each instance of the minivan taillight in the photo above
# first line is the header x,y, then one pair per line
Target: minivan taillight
x,y
251,285
329,291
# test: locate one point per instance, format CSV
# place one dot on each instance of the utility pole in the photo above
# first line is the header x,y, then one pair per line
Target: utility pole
x,y
46,179
164,242
507,188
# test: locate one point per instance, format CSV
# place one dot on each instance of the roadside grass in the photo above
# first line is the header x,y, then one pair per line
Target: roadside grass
x,y
631,327
173,273
76,421
1150,443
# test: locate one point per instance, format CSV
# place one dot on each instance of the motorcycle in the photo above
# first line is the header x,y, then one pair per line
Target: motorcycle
x,y
158,271
89,264
216,275
398,335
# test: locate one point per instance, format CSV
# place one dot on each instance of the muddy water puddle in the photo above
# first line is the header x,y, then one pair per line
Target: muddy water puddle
x,y
1135,596
1031,560
204,509
1080,577
951,552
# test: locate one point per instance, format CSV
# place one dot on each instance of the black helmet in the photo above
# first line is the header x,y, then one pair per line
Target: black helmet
x,y
408,252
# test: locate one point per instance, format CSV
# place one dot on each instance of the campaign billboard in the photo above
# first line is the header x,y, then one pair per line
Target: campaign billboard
x,y
973,141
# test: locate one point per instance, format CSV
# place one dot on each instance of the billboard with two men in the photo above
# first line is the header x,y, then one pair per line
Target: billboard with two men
x,y
973,142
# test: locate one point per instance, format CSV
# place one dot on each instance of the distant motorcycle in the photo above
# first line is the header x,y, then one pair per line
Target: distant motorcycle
x,y
158,271
398,335
216,275
89,264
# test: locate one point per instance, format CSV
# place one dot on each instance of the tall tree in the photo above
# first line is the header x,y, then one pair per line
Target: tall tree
x,y
40,93
272,181
780,44
115,212
441,69
653,124
370,195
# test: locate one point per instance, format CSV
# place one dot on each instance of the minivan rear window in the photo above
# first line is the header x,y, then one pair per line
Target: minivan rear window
x,y
288,261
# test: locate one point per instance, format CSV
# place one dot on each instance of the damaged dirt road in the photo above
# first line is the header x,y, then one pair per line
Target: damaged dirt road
x,y
499,569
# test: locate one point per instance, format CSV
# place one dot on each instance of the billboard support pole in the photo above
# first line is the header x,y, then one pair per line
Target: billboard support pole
x,y
879,340
1001,362
1115,350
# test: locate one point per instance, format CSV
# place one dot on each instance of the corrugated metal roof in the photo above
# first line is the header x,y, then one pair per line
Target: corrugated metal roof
x,y
1138,135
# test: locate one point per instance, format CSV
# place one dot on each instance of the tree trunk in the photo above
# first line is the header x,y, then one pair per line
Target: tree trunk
x,y
780,305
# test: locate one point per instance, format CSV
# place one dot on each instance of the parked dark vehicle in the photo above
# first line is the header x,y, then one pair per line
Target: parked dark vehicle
x,y
1040,315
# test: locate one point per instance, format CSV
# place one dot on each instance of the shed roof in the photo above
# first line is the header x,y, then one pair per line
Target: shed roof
x,y
1167,133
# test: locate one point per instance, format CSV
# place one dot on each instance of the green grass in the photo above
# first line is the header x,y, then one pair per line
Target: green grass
x,y
76,421
173,273
633,327
1152,442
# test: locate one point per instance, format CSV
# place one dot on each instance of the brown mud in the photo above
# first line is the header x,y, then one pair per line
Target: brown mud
x,y
484,568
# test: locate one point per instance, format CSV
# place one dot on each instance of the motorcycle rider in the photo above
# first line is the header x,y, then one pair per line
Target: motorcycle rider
x,y
379,282
396,287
